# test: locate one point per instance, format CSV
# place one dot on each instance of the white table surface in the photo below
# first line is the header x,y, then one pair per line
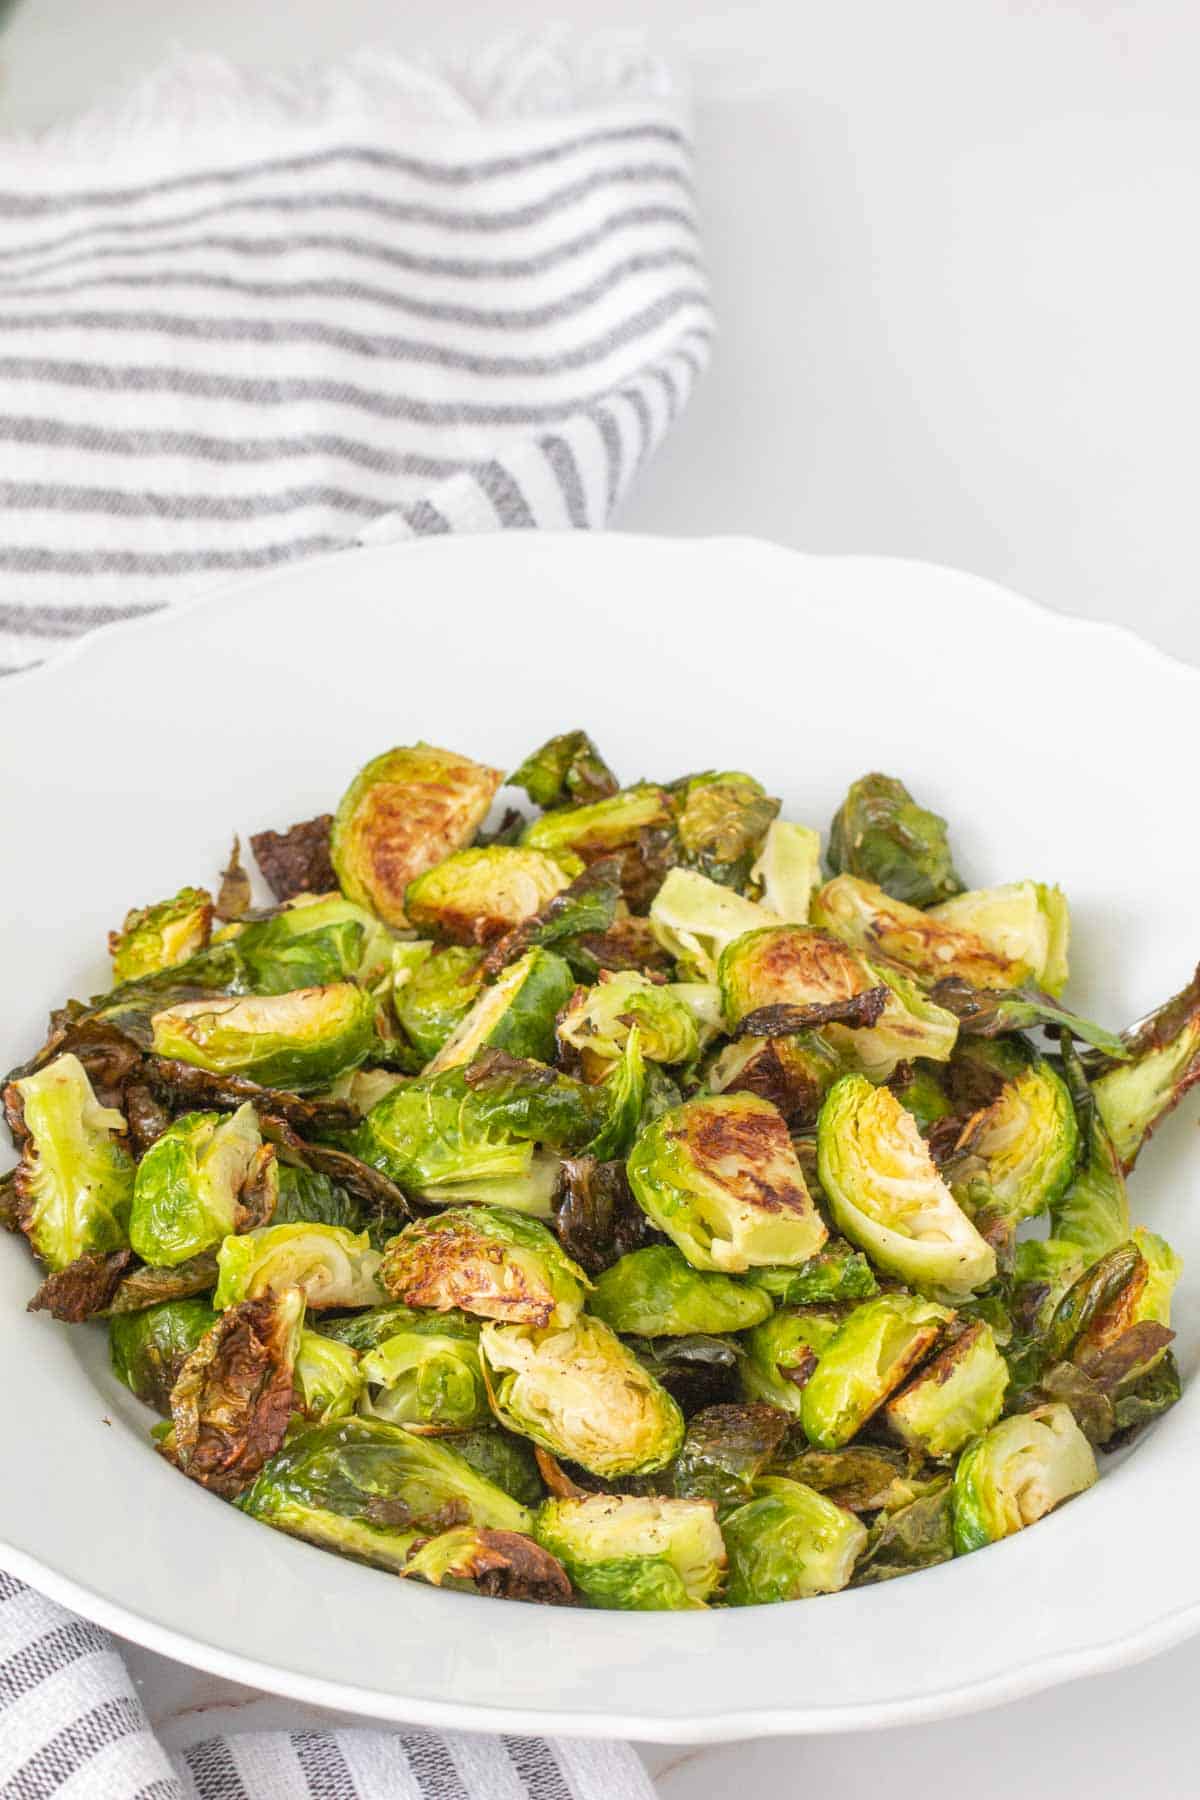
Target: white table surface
x,y
955,260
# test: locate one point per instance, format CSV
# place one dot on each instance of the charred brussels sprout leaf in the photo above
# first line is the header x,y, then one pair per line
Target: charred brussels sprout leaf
x,y
888,1198
436,994
486,1261
159,937
205,1178
836,1272
788,1543
1153,1394
989,1013
369,1490
614,823
725,1451
782,1353
143,1287
234,894
74,1182
302,1039
148,1349
635,1552
881,834
958,1394
475,896
516,1013
83,1288
1015,1158
330,1266
722,820
1018,1472
598,1220
404,812
655,1292
1163,1064
232,1399
864,1362
566,770
697,1371
916,1535
577,920
503,1565
860,1477
328,1379
296,861
720,1177
793,1072
581,1394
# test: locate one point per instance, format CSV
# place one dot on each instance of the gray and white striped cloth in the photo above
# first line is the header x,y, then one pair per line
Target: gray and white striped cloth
x,y
247,320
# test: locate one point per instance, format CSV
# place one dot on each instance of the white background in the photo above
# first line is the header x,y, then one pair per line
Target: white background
x,y
954,253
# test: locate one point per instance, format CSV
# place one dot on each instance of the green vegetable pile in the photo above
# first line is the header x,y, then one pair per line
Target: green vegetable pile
x,y
607,1207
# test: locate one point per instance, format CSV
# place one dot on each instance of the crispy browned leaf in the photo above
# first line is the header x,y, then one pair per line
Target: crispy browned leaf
x,y
1126,1358
856,1010
506,1565
296,861
233,899
83,1288
146,1286
231,1404
861,1477
598,1220
369,1185
146,1117
186,1089
9,1219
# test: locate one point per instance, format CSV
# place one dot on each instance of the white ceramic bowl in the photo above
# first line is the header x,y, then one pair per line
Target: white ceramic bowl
x,y
1057,749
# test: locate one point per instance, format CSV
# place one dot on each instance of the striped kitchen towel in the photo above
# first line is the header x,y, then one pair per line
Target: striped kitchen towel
x,y
246,320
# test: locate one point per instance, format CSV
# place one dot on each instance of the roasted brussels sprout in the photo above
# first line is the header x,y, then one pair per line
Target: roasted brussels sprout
x,y
788,870
888,1198
695,919
793,1073
781,1354
788,1543
635,1552
232,1398
1093,1210
532,1101
1014,1158
601,825
860,1477
722,820
565,770
921,1091
655,1292
673,1021
864,1362
836,1272
788,978
504,1565
516,1013
428,1378
485,1261
369,1490
507,1461
404,812
582,1395
303,1039
439,989
209,1175
148,1349
1018,1472
881,834
306,1197
159,937
74,1182
475,896
958,1394
587,921
1164,1063
330,1266
328,1377
720,1177
914,1534
1026,921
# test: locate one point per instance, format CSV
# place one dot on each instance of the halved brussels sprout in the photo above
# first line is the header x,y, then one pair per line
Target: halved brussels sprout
x,y
1164,1063
485,1261
581,1394
781,1354
427,1376
673,1021
74,1182
439,989
475,896
331,1266
207,1175
695,919
564,770
516,1013
588,922
232,1398
444,1144
655,1292
148,1349
789,1543
958,1394
866,1360
298,1040
405,811
634,1552
836,1272
158,937
532,1101
787,978
1015,1157
1018,1472
503,1565
327,1376
306,1197
314,940
602,825
880,833
995,938
788,870
725,1451
722,820
793,1073
720,1177
370,1490
367,1330
888,1198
